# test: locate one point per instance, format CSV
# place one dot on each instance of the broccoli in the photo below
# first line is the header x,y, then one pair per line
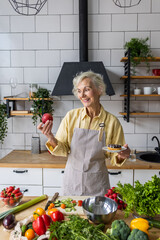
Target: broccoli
x,y
119,229
137,234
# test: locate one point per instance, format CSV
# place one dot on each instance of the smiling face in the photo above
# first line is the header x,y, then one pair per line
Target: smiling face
x,y
88,94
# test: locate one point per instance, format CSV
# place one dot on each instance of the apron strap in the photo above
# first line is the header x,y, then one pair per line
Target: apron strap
x,y
101,130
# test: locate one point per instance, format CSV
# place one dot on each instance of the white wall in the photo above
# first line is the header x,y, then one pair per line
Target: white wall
x,y
33,49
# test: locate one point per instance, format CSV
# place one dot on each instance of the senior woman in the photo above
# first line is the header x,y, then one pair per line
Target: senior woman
x,y
81,136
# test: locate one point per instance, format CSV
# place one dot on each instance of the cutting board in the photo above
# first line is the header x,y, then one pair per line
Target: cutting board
x,y
26,213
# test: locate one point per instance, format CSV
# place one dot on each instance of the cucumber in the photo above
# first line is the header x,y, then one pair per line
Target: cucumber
x,y
153,223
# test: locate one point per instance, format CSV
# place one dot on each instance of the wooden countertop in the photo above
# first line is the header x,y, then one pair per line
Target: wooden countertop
x,y
25,159
154,233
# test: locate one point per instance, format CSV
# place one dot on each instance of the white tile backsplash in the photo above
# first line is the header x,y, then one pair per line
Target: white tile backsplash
x,y
124,22
111,40
56,41
35,41
48,23
22,24
47,58
34,48
4,26
149,125
11,41
22,58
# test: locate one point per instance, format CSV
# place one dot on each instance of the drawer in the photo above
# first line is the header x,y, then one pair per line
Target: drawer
x,y
50,191
122,175
53,177
15,176
31,190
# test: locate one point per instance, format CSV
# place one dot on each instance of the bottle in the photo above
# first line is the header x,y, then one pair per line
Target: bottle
x,y
32,90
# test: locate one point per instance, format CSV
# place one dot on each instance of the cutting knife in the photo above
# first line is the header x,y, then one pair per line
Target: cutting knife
x,y
53,199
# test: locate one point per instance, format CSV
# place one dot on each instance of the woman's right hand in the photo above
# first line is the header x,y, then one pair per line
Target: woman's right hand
x,y
46,129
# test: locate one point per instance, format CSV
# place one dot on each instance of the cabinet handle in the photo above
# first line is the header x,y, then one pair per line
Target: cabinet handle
x,y
20,171
25,190
114,173
62,171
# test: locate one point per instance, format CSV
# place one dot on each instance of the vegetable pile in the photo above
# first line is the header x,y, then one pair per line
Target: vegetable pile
x,y
11,196
142,199
111,193
67,204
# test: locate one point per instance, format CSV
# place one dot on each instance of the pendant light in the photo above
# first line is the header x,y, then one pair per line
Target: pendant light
x,y
126,3
27,7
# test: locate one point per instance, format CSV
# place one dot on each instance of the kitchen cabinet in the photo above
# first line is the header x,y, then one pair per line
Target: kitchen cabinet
x,y
52,180
15,112
122,175
145,175
127,81
36,181
25,178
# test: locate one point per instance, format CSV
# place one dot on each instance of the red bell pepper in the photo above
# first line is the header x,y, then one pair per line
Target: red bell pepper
x,y
41,224
57,216
80,203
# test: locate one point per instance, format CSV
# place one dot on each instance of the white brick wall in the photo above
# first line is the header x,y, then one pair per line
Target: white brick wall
x,y
33,49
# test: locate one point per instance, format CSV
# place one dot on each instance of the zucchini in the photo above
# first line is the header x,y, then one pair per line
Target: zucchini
x,y
153,223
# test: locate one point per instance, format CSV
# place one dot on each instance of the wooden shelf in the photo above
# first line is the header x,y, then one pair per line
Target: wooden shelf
x,y
141,95
24,99
140,113
141,77
149,59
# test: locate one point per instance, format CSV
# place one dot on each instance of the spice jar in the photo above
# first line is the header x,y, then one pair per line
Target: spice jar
x,y
32,90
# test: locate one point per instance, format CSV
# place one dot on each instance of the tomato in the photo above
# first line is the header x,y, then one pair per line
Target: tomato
x,y
57,216
80,203
50,211
30,234
63,206
46,116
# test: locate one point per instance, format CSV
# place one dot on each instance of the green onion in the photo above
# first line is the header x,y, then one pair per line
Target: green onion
x,y
23,206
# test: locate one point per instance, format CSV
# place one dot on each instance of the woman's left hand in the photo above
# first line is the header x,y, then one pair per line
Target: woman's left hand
x,y
124,154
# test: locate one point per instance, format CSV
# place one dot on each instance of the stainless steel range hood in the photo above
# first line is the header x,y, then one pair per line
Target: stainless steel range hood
x,y
69,70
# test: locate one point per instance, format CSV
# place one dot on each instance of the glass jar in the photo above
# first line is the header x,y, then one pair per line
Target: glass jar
x,y
32,89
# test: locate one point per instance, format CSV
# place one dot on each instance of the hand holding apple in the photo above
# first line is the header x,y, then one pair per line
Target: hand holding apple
x,y
46,116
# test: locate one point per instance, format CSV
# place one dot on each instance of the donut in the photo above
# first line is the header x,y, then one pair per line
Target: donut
x,y
114,147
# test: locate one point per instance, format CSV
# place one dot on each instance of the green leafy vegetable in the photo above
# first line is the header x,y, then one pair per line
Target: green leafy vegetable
x,y
143,199
77,228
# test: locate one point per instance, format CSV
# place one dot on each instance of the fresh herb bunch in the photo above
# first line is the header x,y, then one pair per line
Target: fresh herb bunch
x,y
3,122
40,105
144,199
77,228
139,49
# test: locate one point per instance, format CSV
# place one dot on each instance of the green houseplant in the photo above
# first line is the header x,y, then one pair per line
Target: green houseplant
x,y
40,104
3,122
140,50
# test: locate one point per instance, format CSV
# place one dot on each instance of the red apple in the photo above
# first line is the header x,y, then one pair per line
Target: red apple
x,y
46,116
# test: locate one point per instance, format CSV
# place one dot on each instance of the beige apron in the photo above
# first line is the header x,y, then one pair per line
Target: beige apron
x,y
86,173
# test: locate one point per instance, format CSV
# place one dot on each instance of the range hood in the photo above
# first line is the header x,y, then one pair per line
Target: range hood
x,y
69,70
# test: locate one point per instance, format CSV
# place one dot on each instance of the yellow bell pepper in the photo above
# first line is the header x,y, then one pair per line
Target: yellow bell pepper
x,y
39,212
141,224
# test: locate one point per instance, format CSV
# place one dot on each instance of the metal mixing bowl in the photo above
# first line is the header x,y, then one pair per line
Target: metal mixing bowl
x,y
99,209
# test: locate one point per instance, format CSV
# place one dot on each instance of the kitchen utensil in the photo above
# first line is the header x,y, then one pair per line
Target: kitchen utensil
x,y
53,199
149,90
99,209
137,91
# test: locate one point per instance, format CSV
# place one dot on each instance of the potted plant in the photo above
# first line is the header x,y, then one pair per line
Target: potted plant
x,y
40,104
139,49
3,122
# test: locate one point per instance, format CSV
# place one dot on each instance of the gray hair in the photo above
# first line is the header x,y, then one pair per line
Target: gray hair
x,y
96,78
